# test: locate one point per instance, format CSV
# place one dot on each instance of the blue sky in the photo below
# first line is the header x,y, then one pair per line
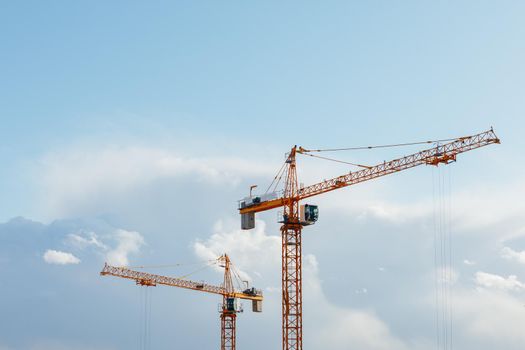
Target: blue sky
x,y
154,118
297,73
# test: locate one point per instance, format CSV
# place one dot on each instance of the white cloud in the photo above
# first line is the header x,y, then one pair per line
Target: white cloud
x,y
81,241
487,315
335,327
485,206
116,253
472,211
128,242
394,212
345,329
447,275
489,280
340,327
80,175
511,254
247,249
469,262
60,258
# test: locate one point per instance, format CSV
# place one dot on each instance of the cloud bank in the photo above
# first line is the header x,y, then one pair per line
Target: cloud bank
x,y
489,280
79,175
336,327
60,258
128,242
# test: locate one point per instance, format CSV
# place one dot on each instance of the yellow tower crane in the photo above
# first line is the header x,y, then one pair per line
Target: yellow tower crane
x,y
230,306
295,216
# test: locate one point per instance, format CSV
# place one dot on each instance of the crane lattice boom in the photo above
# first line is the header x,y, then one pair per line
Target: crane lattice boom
x,y
444,153
148,279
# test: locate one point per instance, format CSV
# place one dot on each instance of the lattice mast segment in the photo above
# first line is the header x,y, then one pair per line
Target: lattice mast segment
x,y
228,312
292,316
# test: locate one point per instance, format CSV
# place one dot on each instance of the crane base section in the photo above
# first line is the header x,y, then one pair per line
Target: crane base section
x,y
228,331
292,287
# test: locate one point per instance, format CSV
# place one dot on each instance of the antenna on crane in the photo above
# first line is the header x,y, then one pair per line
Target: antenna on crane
x,y
252,187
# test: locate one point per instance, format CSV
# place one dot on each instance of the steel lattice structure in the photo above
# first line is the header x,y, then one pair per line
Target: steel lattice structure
x,y
292,315
228,330
228,312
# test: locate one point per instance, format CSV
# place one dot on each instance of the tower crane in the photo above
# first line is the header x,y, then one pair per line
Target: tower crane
x,y
229,308
295,216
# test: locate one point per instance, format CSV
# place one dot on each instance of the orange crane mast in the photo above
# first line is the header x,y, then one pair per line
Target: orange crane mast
x,y
230,297
296,216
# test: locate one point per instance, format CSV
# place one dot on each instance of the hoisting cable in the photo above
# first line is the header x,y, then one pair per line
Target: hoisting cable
x,y
450,253
141,318
168,265
278,182
277,178
237,277
145,318
377,146
444,274
200,269
436,264
147,343
444,260
447,210
336,160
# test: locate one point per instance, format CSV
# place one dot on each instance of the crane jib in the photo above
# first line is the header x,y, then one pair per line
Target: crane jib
x,y
440,154
149,279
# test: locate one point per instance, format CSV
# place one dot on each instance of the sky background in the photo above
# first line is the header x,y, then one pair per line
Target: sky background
x,y
129,130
